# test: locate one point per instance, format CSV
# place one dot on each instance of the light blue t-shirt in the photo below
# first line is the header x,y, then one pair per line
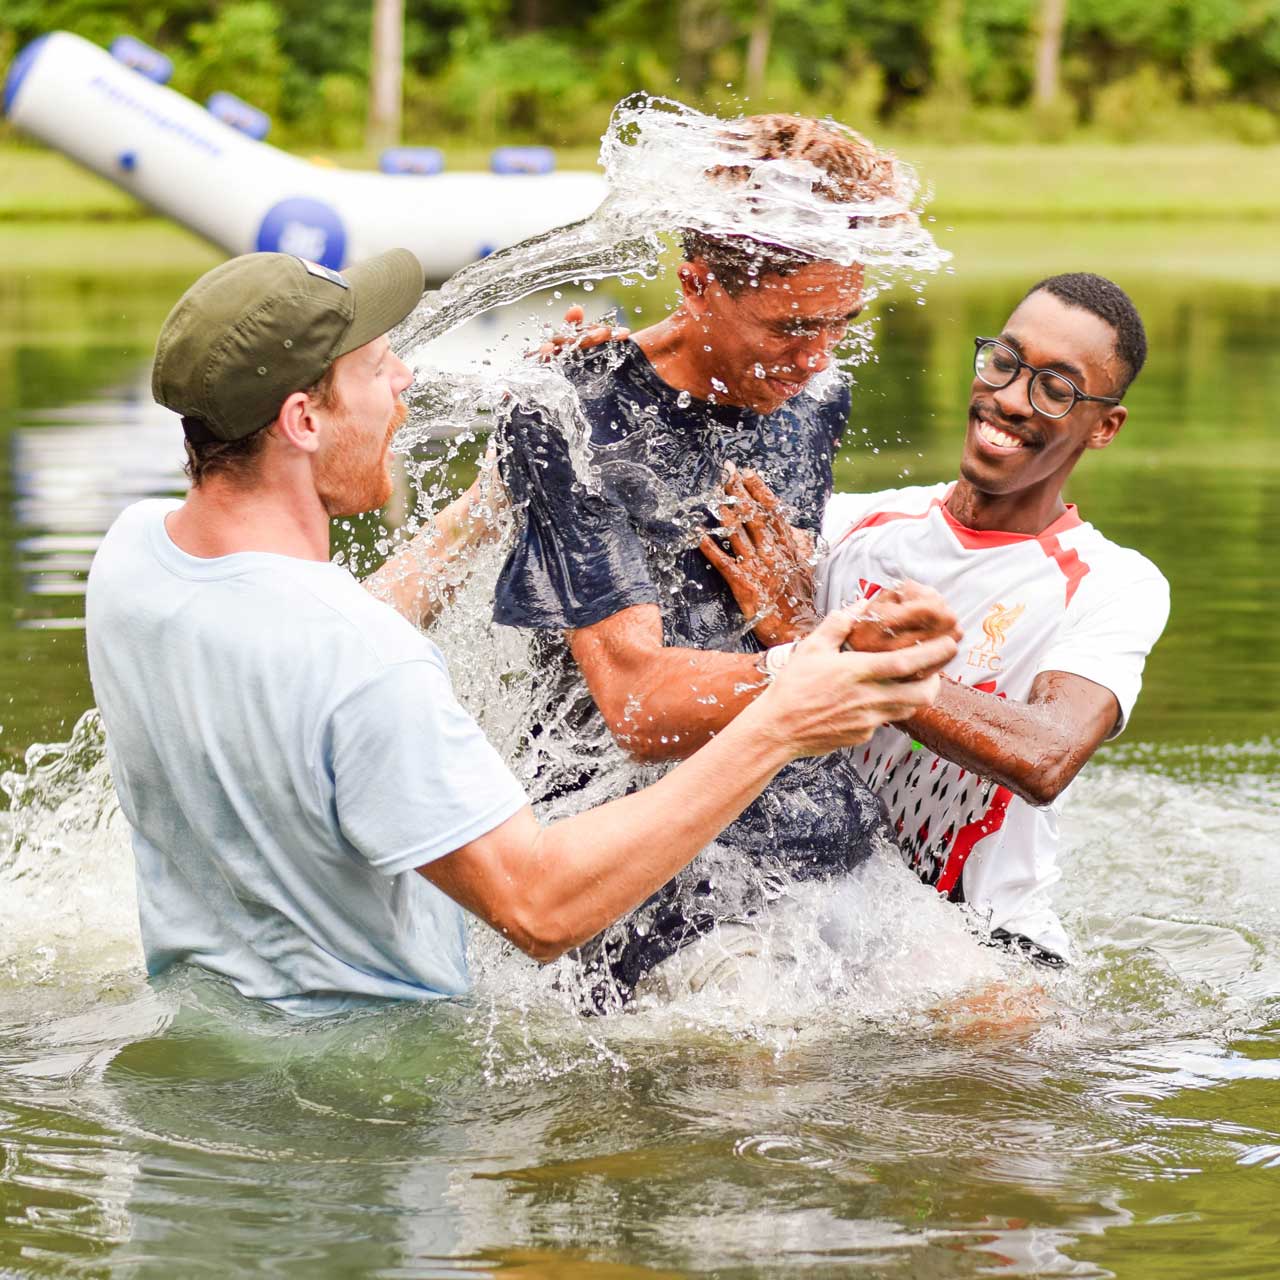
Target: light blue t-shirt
x,y
287,750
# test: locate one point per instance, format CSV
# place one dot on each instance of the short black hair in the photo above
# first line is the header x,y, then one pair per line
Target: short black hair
x,y
1109,302
737,260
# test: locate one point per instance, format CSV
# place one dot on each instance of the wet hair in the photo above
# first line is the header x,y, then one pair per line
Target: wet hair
x,y
1108,301
207,455
736,260
851,170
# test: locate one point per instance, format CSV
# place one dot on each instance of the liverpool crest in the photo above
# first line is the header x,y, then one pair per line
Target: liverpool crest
x,y
995,629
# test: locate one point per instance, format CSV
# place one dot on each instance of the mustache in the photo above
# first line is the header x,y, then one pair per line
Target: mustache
x,y
988,410
399,416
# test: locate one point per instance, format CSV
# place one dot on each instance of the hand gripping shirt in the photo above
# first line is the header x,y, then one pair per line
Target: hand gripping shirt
x,y
584,553
287,749
1066,600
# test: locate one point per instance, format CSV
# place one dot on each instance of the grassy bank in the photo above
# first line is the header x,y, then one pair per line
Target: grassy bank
x,y
1077,181
1221,251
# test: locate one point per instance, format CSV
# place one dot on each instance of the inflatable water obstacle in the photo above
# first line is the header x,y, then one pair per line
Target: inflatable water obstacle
x,y
209,168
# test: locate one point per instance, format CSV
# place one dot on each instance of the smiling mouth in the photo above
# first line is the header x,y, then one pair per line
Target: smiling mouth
x,y
998,438
782,386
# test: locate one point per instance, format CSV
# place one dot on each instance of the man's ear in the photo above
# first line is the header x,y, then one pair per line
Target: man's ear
x,y
1107,427
695,279
297,423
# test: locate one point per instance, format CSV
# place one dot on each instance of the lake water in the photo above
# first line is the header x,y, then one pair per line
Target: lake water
x,y
1123,1120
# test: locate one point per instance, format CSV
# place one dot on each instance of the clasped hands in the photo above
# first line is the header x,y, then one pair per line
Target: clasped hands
x,y
769,567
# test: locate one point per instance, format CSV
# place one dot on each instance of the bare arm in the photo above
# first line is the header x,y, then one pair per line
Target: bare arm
x,y
1034,748
419,579
549,889
660,703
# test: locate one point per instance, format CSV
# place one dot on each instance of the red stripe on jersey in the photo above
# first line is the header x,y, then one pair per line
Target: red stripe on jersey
x,y
877,518
968,836
1066,558
982,539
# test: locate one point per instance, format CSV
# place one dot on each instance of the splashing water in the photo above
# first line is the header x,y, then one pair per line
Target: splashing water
x,y
663,164
66,869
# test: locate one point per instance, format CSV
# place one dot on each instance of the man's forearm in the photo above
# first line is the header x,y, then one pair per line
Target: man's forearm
x,y
1026,747
680,698
594,867
417,580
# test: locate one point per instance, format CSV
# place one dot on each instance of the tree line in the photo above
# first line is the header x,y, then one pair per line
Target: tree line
x,y
485,71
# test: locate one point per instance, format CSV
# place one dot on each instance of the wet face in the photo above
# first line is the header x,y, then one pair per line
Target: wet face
x,y
353,466
1009,445
767,341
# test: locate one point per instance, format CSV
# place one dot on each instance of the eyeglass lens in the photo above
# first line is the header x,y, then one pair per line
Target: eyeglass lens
x,y
998,365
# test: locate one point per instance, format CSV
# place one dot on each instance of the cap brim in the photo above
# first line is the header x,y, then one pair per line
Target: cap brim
x,y
385,289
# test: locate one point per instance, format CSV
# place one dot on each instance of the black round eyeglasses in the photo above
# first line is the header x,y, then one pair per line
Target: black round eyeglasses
x,y
1052,394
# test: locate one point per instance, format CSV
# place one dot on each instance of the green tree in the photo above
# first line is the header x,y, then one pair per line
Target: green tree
x,y
238,51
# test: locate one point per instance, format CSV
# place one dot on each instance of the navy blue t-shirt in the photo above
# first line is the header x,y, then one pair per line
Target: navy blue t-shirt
x,y
582,554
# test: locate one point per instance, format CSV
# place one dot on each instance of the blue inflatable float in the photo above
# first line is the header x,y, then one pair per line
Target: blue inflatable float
x,y
208,169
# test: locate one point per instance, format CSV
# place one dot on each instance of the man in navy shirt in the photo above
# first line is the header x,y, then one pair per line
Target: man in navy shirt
x,y
736,376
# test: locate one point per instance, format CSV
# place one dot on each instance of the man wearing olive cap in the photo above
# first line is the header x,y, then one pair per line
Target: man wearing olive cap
x,y
311,807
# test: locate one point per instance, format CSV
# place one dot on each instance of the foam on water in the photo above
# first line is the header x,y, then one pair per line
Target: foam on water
x,y
1190,954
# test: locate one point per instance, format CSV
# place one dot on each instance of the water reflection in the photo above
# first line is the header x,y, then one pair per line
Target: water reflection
x,y
75,468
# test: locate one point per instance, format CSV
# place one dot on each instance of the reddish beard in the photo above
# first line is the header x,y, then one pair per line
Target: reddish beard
x,y
353,475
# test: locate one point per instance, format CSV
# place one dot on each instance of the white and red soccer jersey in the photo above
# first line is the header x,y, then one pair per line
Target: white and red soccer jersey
x,y
1065,600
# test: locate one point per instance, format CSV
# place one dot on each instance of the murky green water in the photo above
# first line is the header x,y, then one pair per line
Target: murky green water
x,y
1124,1121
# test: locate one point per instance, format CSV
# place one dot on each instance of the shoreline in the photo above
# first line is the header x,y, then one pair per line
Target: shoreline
x,y
1075,181
1153,252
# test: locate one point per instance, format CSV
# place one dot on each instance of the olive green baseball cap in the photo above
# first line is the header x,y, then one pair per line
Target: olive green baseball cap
x,y
251,332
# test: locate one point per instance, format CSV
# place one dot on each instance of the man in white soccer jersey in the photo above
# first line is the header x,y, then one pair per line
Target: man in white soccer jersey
x,y
1057,619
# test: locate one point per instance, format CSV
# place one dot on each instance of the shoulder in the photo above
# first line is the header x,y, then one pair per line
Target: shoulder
x,y
129,529
846,510
328,599
825,403
1113,569
128,559
1119,588
597,380
831,391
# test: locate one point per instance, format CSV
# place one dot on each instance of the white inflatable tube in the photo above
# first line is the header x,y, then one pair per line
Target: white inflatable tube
x,y
245,195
